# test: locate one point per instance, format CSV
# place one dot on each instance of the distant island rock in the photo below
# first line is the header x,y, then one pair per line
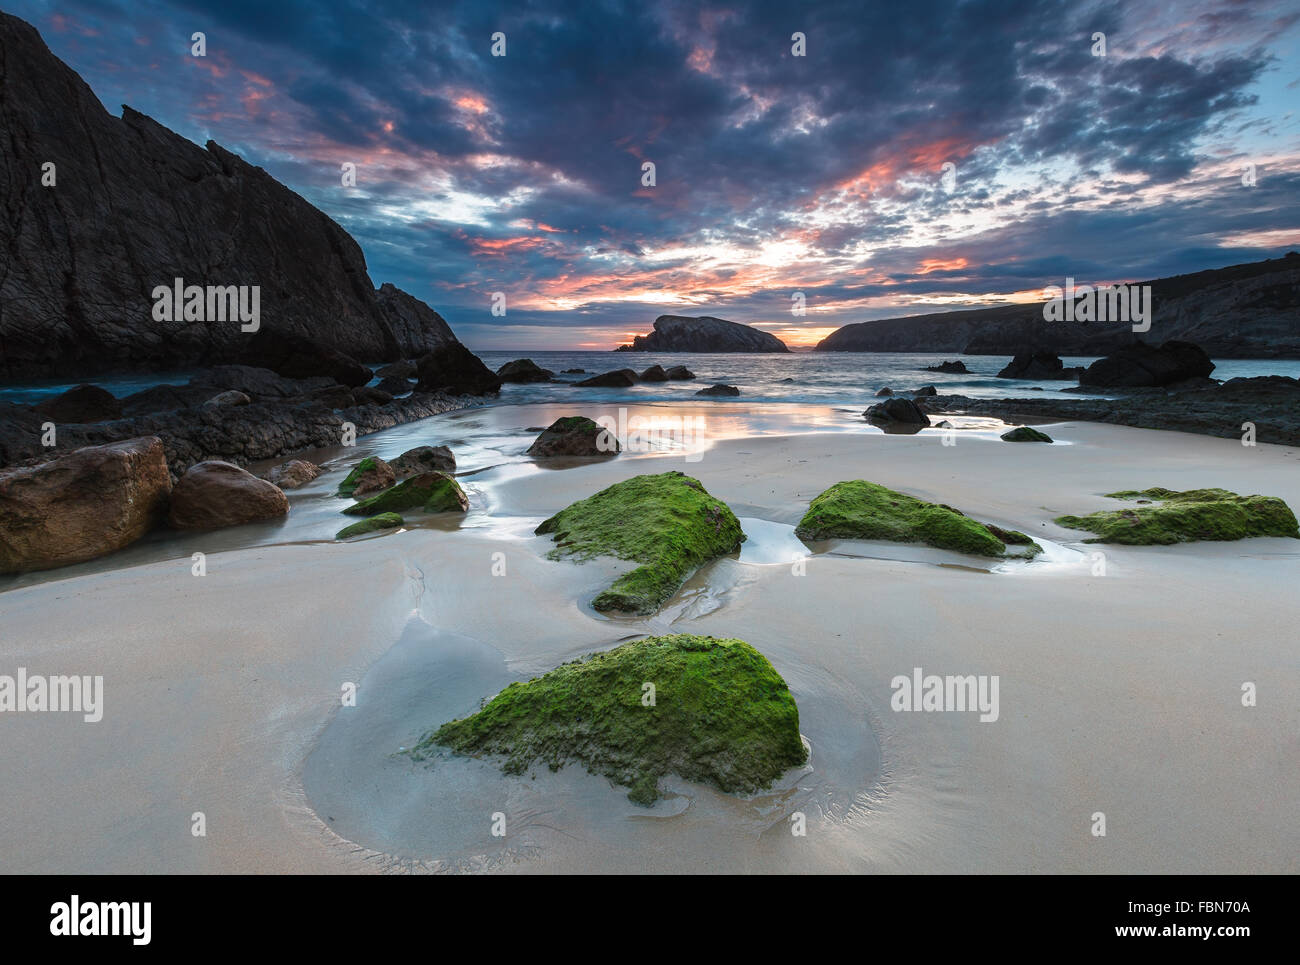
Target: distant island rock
x,y
680,333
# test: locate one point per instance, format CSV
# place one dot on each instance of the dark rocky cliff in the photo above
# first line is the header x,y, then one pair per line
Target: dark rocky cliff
x,y
680,333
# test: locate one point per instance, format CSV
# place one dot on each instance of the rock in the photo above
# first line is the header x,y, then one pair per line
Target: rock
x,y
424,459
433,492
897,410
256,382
618,379
719,390
1025,434
293,474
370,475
952,368
679,373
81,505
1038,366
574,436
144,206
924,390
524,370
401,369
229,397
858,509
216,494
394,386
373,395
377,522
575,372
1197,514
335,396
944,424
667,523
654,373
81,404
455,370
886,391
416,327
732,722
679,333
1141,364
164,398
301,357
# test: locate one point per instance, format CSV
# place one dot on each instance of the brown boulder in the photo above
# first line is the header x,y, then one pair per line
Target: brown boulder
x,y
215,494
292,474
424,459
82,505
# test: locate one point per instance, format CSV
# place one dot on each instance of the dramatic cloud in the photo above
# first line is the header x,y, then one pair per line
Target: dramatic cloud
x,y
775,173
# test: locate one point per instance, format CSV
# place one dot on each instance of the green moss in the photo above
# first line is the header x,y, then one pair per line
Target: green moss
x,y
858,509
382,521
666,522
721,715
349,483
1179,517
1025,434
434,492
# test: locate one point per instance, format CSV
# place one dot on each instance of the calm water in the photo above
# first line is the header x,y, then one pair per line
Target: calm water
x,y
831,378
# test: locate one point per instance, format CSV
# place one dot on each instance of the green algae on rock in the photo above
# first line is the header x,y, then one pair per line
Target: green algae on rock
x,y
857,509
367,465
1025,434
666,522
433,492
1180,517
381,521
717,713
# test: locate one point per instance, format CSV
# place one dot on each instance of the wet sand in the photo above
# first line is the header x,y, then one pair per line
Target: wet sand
x,y
1119,693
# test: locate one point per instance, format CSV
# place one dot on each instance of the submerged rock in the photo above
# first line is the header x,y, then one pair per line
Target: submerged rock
x,y
575,372
654,373
293,474
370,475
858,509
884,393
719,390
679,373
722,716
82,505
574,435
433,492
897,410
424,459
1179,517
1025,434
667,523
618,379
215,494
374,523
455,370
1038,366
924,390
952,368
524,370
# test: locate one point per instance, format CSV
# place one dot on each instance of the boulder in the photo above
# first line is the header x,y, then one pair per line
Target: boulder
x,y
81,505
897,410
924,391
524,370
216,494
164,398
1141,364
719,390
952,368
229,397
373,395
301,357
424,459
680,373
654,373
293,474
397,370
1025,434
433,492
334,396
394,386
255,382
618,379
885,392
370,475
574,436
1038,366
370,525
455,370
80,405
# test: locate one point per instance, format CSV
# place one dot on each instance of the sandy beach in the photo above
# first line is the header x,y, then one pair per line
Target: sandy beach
x,y
1120,692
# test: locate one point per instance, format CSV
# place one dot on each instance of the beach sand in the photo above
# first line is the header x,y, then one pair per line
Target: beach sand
x,y
1119,693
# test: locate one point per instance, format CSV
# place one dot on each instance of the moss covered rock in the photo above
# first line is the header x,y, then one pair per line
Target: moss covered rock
x,y
1025,434
720,714
433,492
574,435
369,475
858,509
666,522
1179,517
381,521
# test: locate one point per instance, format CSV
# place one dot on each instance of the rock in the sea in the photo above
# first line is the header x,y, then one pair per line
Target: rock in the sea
x,y
858,509
81,404
376,522
680,333
229,397
679,373
1180,517
667,523
524,370
654,373
574,436
952,368
1141,364
424,459
884,393
924,390
575,372
618,379
730,720
394,386
370,475
897,410
215,494
455,370
293,474
1038,366
719,390
1025,434
81,505
433,492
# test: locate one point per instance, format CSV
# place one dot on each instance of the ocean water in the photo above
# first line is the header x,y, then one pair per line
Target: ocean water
x,y
821,378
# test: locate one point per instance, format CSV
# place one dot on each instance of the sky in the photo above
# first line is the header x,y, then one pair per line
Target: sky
x,y
903,158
